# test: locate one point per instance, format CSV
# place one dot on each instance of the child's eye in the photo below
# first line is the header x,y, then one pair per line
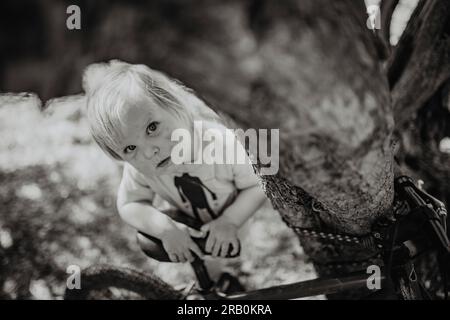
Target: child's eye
x,y
152,127
128,149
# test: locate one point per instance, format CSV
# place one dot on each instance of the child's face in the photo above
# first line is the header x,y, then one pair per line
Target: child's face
x,y
147,130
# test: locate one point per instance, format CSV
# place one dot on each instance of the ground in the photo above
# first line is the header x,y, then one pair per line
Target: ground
x,y
57,197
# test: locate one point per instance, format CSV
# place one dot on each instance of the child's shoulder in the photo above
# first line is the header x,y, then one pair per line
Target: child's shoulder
x,y
223,139
129,172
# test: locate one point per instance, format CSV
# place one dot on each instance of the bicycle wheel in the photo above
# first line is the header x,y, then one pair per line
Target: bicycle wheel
x,y
103,282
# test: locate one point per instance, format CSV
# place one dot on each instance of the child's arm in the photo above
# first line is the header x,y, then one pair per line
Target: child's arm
x,y
245,205
223,230
133,204
145,218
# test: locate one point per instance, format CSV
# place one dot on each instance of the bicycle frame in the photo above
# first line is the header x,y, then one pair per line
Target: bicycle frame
x,y
302,289
320,286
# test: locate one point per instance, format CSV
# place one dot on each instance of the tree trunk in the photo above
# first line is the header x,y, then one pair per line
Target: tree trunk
x,y
387,10
422,108
422,53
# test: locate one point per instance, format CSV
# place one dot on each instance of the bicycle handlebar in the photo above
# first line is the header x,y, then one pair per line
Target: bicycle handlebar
x,y
201,243
153,247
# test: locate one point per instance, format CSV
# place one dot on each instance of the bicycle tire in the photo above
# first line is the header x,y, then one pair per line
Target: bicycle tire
x,y
100,278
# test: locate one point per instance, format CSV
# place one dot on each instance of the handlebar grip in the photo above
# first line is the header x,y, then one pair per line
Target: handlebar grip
x,y
153,247
201,243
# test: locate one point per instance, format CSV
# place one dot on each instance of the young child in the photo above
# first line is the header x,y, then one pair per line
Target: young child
x,y
132,112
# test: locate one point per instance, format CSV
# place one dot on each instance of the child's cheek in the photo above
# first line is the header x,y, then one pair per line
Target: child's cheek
x,y
143,167
167,137
167,133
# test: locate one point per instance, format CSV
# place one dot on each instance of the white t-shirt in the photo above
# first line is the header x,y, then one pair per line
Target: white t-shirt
x,y
202,191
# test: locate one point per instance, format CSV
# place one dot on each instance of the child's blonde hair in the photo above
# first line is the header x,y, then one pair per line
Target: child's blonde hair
x,y
112,85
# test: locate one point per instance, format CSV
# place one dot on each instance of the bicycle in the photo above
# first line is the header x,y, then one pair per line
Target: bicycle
x,y
397,245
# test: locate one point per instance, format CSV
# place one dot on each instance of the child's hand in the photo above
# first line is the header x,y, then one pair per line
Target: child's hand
x,y
222,235
178,245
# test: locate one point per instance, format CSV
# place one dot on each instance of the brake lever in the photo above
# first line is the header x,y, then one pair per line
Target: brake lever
x,y
434,209
438,205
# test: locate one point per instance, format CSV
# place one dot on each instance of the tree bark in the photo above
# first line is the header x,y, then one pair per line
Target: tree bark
x,y
423,53
387,10
335,121
420,153
421,107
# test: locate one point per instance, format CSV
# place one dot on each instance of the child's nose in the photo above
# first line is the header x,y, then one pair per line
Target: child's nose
x,y
150,151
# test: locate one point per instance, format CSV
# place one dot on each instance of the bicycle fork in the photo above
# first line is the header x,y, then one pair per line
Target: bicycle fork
x,y
202,274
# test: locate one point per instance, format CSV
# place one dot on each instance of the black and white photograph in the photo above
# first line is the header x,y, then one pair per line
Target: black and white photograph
x,y
239,151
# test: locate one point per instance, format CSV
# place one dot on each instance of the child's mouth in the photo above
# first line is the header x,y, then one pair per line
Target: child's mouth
x,y
164,163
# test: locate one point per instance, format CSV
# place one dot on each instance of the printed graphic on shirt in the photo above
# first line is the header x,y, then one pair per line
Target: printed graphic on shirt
x,y
192,189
